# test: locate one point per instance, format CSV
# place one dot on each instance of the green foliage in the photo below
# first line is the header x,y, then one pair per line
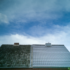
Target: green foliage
x,y
68,68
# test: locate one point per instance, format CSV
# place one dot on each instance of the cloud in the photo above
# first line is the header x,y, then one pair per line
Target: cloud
x,y
43,29
34,10
3,19
59,37
18,11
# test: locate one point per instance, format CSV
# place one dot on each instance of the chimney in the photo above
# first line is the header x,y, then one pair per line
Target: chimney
x,y
48,44
16,44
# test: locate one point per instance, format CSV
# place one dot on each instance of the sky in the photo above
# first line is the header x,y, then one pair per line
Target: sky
x,y
35,22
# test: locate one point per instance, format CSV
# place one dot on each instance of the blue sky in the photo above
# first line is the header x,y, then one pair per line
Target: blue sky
x,y
35,22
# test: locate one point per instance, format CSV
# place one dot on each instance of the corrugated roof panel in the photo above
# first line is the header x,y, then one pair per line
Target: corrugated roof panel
x,y
54,56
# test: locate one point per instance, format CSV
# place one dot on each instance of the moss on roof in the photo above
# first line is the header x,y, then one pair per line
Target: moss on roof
x,y
15,56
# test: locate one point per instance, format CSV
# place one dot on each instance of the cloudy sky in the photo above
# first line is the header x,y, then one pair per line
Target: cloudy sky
x,y
35,22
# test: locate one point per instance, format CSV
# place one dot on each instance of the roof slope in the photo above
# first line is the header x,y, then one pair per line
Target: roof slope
x,y
26,56
54,56
15,56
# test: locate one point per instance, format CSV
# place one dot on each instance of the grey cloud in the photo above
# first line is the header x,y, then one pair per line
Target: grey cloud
x,y
30,10
3,19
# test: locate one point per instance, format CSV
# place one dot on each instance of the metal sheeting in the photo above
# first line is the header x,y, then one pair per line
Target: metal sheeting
x,y
54,56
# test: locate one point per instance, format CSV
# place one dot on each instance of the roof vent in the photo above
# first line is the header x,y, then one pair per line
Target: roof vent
x,y
48,44
16,44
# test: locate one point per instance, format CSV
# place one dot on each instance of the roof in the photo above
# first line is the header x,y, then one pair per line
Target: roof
x,y
34,56
15,56
54,56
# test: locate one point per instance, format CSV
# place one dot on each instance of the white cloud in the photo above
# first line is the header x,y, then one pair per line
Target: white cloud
x,y
61,37
3,19
32,10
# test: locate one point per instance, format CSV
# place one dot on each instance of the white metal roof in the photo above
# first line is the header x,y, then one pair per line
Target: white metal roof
x,y
54,56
